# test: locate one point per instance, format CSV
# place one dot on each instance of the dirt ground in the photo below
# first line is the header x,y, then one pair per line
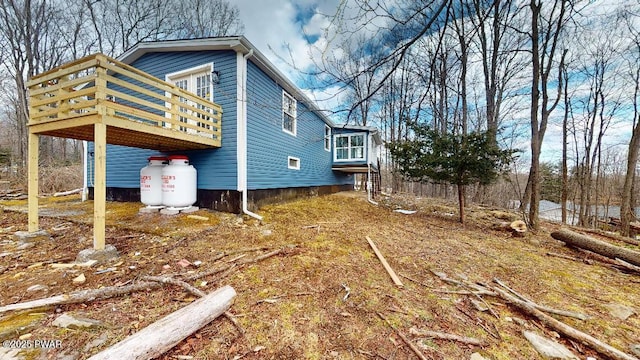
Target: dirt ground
x,y
322,296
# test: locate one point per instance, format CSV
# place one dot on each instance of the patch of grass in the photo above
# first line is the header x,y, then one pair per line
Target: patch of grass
x,y
19,323
310,319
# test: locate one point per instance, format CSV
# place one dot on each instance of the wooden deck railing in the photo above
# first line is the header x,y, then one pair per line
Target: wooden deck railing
x,y
104,87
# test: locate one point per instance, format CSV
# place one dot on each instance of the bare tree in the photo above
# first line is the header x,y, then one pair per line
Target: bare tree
x,y
31,43
37,35
119,24
546,27
207,18
595,108
564,167
397,30
627,212
498,43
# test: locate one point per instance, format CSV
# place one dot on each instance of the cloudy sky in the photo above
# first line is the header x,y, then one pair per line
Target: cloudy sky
x,y
280,27
283,31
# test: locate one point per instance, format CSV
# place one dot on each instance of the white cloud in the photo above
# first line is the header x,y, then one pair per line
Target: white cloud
x,y
274,27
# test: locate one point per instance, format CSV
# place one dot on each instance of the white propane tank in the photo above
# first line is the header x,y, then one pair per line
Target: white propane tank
x,y
151,181
179,183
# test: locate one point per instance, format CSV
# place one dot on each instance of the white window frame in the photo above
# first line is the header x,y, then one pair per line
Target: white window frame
x,y
296,162
286,97
350,147
327,137
191,75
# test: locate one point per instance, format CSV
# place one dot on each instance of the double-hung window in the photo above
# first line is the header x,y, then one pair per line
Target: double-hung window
x,y
349,147
196,80
289,105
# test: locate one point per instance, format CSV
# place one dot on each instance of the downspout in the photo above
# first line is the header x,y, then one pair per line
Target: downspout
x,y
85,178
243,126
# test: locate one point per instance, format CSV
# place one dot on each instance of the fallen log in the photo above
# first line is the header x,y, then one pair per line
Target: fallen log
x,y
611,235
625,265
159,337
562,328
517,228
600,247
81,296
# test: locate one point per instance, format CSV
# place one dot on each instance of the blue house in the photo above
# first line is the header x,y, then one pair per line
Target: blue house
x,y
273,142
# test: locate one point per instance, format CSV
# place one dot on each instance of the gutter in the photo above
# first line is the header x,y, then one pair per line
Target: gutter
x,y
242,132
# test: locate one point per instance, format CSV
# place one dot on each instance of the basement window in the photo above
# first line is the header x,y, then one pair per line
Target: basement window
x,y
293,163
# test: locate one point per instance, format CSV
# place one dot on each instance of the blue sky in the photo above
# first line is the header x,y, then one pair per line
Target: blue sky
x,y
280,27
283,31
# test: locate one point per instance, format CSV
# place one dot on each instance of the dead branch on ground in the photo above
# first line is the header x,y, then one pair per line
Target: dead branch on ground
x,y
172,281
69,192
625,265
567,257
404,338
82,296
231,266
491,330
541,307
113,291
528,307
445,336
562,328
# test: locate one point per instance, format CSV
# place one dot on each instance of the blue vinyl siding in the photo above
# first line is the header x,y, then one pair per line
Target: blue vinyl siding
x,y
269,147
123,165
217,168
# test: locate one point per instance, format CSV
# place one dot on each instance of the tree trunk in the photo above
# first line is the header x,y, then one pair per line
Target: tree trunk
x,y
565,169
626,209
461,189
534,175
597,246
159,337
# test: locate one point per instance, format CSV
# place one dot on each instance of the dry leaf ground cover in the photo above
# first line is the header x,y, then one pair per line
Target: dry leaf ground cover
x,y
322,296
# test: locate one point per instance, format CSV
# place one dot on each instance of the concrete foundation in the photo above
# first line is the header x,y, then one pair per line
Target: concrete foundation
x,y
26,236
101,256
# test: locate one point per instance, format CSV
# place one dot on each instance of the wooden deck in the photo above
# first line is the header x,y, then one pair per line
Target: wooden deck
x,y
100,99
138,109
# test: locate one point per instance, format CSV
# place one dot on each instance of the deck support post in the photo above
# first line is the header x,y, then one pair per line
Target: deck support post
x,y
33,190
99,189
